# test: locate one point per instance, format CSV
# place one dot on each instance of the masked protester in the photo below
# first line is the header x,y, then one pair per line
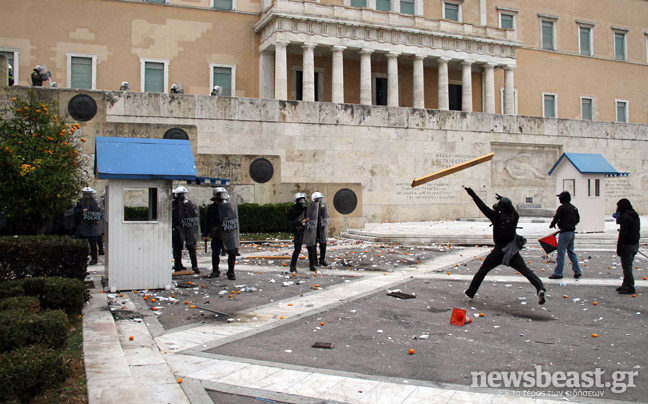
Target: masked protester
x,y
186,221
297,219
89,216
628,243
221,223
322,227
507,245
566,218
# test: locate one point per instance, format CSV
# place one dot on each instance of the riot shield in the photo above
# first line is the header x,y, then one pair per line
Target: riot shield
x,y
92,215
189,227
323,222
229,225
310,230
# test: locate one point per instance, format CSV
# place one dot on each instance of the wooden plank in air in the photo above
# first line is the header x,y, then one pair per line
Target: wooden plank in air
x,y
451,170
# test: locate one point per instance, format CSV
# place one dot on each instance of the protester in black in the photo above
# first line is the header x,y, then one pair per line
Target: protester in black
x,y
504,219
566,218
628,243
297,219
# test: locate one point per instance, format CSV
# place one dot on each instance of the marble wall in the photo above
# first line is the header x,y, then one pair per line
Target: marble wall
x,y
375,151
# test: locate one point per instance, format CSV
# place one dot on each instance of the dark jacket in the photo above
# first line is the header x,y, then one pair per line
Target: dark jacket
x,y
212,225
504,222
629,223
566,217
295,216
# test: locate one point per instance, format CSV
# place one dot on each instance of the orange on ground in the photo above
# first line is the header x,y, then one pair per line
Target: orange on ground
x,y
634,295
179,379
192,307
238,292
594,335
565,296
230,296
411,351
131,338
595,303
481,314
154,308
281,317
322,323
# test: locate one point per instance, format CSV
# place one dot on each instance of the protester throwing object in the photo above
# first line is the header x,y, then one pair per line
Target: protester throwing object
x,y
507,244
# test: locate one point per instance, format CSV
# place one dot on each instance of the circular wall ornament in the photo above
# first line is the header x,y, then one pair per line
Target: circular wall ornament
x,y
176,133
82,107
345,201
261,170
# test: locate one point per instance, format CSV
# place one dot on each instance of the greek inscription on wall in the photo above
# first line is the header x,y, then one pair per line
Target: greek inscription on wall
x,y
617,188
219,167
432,191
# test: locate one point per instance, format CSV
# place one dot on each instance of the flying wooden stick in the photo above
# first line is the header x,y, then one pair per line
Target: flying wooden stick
x,y
451,170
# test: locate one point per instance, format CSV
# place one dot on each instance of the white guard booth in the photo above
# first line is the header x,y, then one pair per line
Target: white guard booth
x,y
139,174
583,176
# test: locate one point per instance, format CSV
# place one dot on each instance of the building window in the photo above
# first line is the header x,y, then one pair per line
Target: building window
x,y
407,7
223,4
154,75
587,108
12,59
383,5
549,105
620,52
593,187
621,111
515,100
548,34
507,21
452,11
156,1
359,3
225,77
585,40
81,71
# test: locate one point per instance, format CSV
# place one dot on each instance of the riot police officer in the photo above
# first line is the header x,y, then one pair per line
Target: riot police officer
x,y
186,221
221,223
297,219
89,215
322,227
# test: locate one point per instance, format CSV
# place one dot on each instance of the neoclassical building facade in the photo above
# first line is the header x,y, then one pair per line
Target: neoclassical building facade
x,y
585,59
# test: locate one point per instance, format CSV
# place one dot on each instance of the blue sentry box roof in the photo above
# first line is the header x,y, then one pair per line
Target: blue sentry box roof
x,y
143,159
588,163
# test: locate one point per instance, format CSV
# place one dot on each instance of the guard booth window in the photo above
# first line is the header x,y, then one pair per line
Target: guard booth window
x,y
593,187
140,204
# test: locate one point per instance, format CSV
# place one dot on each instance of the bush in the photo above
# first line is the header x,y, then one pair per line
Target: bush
x,y
255,218
27,372
65,294
28,256
11,289
28,304
19,329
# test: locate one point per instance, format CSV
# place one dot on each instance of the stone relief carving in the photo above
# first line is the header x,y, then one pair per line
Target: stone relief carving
x,y
520,167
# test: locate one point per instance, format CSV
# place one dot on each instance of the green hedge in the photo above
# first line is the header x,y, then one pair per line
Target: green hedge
x,y
28,256
69,295
255,218
29,304
27,372
19,329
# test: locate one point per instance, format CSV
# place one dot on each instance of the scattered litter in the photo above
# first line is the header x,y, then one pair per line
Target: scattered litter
x,y
323,345
401,295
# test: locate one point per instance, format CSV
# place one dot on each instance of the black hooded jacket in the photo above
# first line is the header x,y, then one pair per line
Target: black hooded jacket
x,y
295,216
629,223
504,222
566,216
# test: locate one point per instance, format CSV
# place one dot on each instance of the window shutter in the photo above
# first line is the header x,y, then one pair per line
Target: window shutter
x,y
80,72
452,12
359,3
223,77
223,4
550,106
585,41
383,5
619,46
506,21
407,7
547,35
587,109
154,77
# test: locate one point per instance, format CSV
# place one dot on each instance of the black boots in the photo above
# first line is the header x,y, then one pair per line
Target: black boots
x,y
312,258
322,260
231,261
194,259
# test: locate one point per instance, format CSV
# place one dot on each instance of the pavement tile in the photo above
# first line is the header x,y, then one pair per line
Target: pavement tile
x,y
153,374
160,393
143,356
429,395
280,381
349,390
511,399
183,365
388,393
465,397
314,385
249,375
113,390
218,370
105,361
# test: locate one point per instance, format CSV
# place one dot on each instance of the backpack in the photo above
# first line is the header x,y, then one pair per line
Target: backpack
x,y
507,225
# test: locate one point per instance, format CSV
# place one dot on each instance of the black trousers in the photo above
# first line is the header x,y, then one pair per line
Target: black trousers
x,y
92,240
493,260
176,242
216,246
627,254
295,255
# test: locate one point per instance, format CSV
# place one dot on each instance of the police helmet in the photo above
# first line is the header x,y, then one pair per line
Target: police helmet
x,y
316,196
298,196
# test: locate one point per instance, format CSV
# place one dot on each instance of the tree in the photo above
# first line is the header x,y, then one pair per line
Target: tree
x,y
40,162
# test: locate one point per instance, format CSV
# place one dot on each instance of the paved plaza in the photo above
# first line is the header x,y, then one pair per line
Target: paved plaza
x,y
252,339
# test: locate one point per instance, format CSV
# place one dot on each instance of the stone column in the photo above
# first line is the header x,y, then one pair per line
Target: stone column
x,y
419,89
444,98
338,74
392,79
266,75
281,71
466,87
308,76
509,95
489,91
365,76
